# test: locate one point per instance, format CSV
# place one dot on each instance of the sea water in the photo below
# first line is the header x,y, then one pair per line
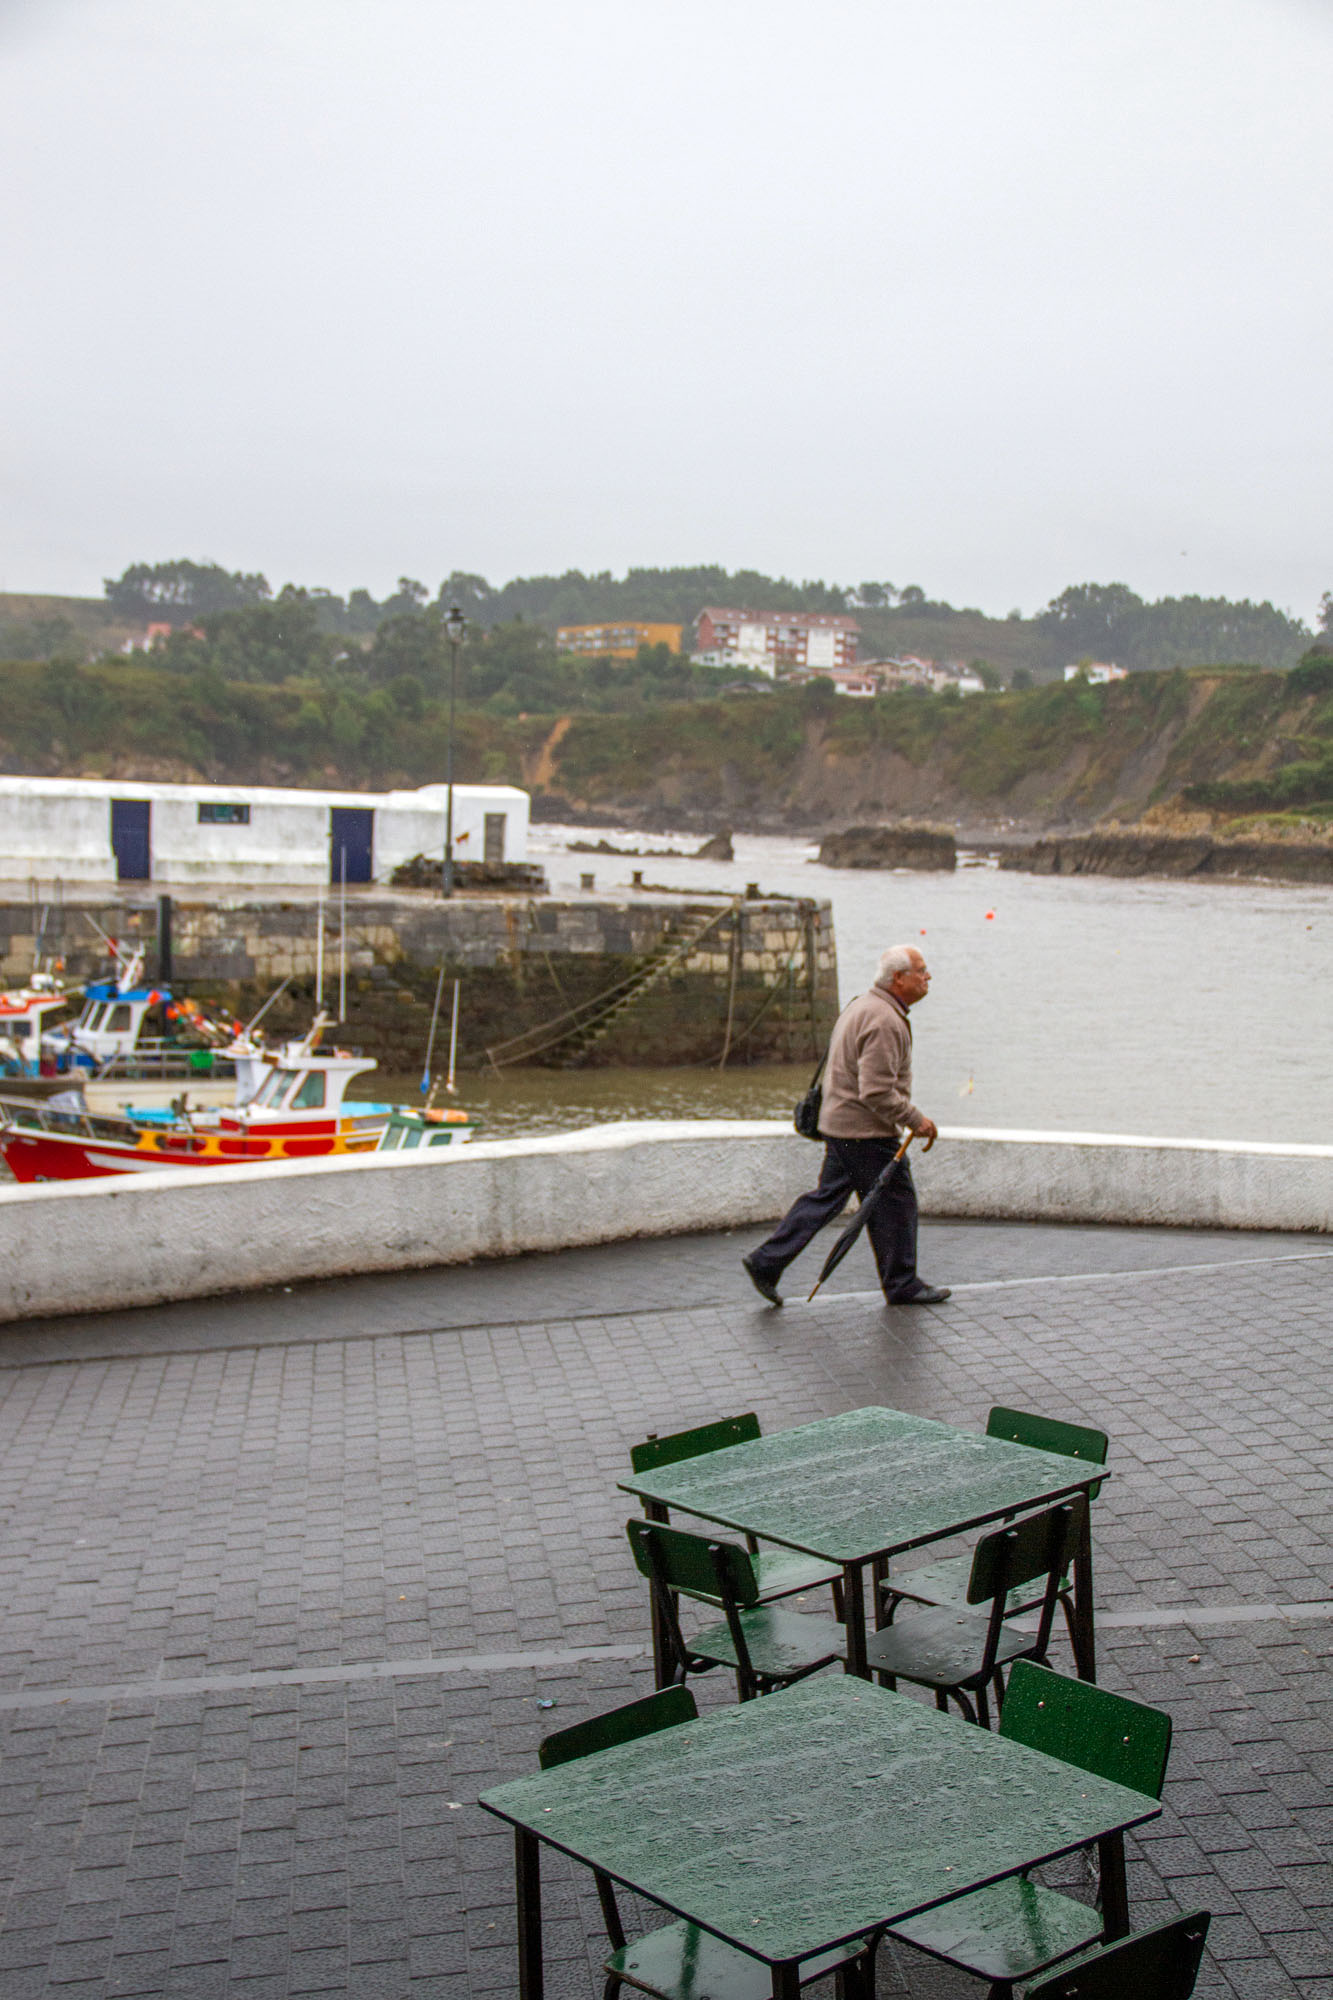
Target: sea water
x,y
1089,1003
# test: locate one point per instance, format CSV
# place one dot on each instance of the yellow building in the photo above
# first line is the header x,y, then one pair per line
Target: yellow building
x,y
616,642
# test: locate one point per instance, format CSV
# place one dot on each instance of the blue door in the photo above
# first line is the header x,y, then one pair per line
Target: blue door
x,y
131,839
351,835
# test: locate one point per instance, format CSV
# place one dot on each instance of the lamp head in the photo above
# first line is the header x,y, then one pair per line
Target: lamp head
x,y
455,625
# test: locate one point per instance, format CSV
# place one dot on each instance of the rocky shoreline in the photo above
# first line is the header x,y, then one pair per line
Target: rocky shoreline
x,y
1146,851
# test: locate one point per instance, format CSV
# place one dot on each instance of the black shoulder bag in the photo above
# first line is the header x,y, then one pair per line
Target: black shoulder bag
x,y
806,1116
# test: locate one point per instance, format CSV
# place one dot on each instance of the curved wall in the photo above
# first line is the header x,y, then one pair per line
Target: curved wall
x,y
135,1240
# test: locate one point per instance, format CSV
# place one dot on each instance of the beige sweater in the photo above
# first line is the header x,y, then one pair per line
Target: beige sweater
x,y
868,1078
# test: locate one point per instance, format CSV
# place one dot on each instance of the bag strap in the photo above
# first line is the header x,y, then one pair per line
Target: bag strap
x,y
819,1067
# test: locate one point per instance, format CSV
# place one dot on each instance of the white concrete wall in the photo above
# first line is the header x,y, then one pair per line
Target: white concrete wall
x,y
285,843
84,1247
415,824
62,827
49,832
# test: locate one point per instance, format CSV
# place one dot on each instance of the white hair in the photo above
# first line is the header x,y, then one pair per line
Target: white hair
x,y
898,958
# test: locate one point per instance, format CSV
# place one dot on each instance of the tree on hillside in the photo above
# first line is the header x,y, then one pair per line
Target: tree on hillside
x,y
472,594
1109,621
1090,619
179,593
52,638
409,643
265,642
1326,612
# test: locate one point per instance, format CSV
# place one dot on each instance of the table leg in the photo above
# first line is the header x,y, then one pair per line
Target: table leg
x,y
879,1576
655,1511
1115,1888
1085,1640
854,1605
528,1882
787,1981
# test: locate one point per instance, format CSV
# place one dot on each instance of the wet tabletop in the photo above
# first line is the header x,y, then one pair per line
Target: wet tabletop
x,y
872,1482
798,1821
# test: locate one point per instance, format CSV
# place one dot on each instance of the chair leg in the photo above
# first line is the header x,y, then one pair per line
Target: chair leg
x,y
839,1601
983,1707
941,1701
962,1701
849,1981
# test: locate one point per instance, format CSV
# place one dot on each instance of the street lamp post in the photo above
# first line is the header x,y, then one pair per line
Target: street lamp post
x,y
454,627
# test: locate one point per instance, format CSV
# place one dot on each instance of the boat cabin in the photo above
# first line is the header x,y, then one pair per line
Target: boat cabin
x,y
111,1024
23,1015
409,1130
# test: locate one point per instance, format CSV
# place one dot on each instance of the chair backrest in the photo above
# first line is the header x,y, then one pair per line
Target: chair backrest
x,y
1156,1965
621,1725
1041,1545
696,1564
1049,1434
656,1452
1088,1727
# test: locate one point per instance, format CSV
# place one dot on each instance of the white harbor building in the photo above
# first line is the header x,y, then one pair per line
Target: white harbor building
x,y
253,836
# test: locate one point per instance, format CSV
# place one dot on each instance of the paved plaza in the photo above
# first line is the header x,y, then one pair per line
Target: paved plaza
x,y
289,1578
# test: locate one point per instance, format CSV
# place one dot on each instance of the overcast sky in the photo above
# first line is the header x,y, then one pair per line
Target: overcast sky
x,y
986,295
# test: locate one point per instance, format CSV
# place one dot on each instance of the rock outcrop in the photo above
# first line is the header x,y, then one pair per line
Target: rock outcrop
x,y
1145,851
903,846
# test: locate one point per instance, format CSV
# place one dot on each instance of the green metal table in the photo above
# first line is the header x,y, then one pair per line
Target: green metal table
x,y
815,1816
864,1487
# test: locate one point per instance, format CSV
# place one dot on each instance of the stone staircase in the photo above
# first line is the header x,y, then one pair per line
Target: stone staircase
x,y
568,1038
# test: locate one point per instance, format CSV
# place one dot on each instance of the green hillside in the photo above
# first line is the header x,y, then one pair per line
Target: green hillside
x,y
1226,741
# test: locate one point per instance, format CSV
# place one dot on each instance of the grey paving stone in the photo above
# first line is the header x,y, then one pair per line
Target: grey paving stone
x,y
427,1465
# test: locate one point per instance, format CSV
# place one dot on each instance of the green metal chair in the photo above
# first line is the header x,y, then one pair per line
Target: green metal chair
x,y
960,1653
1161,1964
945,1582
1016,1928
765,1647
680,1961
780,1572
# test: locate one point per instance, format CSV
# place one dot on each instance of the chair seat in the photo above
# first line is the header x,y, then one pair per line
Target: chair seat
x,y
945,1582
783,1644
942,1648
782,1573
1008,1931
681,1962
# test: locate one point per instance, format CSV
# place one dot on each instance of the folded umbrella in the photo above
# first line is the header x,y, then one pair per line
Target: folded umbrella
x,y
861,1217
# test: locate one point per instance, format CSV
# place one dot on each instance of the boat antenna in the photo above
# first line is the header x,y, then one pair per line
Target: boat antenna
x,y
430,1039
453,1042
276,994
342,936
319,952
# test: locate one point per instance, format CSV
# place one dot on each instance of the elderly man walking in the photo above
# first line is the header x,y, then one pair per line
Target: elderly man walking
x,y
867,1099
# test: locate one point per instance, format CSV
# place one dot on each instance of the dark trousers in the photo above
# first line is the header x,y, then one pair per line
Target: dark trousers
x,y
892,1224
805,1218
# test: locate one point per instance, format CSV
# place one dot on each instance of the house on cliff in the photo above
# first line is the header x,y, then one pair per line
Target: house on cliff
x,y
773,642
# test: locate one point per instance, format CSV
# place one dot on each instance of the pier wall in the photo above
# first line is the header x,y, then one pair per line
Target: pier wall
x,y
762,981
137,1240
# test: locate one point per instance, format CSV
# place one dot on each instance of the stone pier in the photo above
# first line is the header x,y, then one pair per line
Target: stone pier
x,y
755,978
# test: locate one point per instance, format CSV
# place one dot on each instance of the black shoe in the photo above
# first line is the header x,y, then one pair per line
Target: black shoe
x,y
761,1281
929,1295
